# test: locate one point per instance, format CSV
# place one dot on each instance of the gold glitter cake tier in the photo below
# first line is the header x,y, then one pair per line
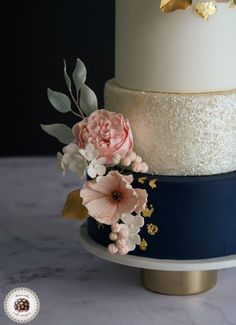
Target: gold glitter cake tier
x,y
180,134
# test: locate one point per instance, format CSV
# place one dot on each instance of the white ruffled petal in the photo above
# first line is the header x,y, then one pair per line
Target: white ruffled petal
x,y
127,218
59,161
100,170
132,241
83,153
139,221
135,239
100,161
66,158
81,172
91,170
72,148
89,153
73,166
130,245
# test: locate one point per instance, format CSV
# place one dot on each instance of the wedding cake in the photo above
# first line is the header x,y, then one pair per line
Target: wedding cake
x,y
175,81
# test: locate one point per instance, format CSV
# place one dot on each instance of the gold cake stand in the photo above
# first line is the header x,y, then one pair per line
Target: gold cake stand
x,y
170,277
178,283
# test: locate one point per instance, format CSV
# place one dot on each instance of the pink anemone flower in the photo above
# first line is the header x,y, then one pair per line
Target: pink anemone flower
x,y
108,197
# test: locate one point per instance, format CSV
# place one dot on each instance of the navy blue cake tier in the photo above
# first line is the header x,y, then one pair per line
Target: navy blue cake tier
x,y
186,217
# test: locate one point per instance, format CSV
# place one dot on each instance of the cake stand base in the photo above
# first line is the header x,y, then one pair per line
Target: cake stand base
x,y
171,277
180,283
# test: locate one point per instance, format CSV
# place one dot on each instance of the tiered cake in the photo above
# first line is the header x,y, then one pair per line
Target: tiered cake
x,y
176,83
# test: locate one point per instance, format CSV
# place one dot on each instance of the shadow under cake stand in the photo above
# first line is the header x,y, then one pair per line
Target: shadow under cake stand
x,y
171,277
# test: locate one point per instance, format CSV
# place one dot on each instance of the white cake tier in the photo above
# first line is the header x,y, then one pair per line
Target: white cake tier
x,y
180,134
174,52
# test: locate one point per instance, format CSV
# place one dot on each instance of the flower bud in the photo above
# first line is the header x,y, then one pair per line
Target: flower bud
x,y
123,251
115,227
113,236
138,159
112,249
116,159
144,167
136,167
126,162
124,234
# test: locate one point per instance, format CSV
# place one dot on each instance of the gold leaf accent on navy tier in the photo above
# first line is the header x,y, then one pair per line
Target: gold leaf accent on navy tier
x,y
172,5
143,245
74,209
152,229
152,183
205,9
147,213
142,180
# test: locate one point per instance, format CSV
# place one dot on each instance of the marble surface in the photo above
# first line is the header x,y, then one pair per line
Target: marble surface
x,y
41,251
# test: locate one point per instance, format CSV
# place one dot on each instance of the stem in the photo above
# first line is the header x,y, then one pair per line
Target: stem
x,y
122,170
76,114
77,97
77,105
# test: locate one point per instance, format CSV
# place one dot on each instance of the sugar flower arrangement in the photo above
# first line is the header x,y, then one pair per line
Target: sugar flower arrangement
x,y
101,147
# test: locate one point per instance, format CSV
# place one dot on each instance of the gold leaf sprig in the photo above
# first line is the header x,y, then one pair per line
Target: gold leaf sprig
x,y
172,5
232,3
74,209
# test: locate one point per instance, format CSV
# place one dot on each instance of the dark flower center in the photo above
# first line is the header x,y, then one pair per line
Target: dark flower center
x,y
116,196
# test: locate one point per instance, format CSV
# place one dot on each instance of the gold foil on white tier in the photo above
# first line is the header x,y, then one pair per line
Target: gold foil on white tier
x,y
180,134
176,52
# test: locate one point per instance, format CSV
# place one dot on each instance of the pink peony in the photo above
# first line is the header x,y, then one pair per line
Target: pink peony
x,y
108,197
109,132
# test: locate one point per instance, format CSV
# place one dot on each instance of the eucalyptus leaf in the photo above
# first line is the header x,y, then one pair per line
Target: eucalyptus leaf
x,y
60,131
67,78
59,101
79,74
88,100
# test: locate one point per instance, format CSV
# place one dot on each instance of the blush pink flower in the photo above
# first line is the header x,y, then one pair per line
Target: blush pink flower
x,y
109,132
108,197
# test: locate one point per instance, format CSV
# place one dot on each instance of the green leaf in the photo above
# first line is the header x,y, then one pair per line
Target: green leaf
x,y
67,78
88,100
79,74
60,131
59,101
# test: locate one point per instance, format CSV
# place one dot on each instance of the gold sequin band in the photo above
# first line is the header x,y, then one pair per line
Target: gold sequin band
x,y
180,134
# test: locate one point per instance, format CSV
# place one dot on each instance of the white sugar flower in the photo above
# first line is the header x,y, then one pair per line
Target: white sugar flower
x,y
72,160
132,241
90,152
96,167
134,223
125,235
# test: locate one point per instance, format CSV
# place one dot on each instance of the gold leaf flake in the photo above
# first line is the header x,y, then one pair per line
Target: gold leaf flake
x,y
152,183
143,245
74,209
232,3
152,229
172,5
141,180
205,9
147,213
